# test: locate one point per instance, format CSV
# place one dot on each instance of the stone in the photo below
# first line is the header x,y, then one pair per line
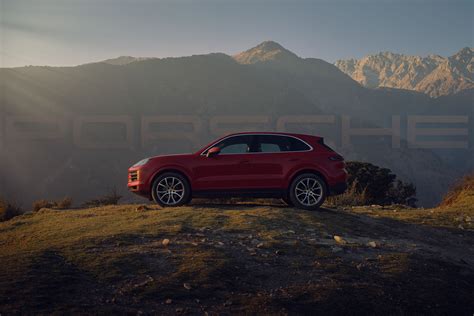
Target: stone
x,y
187,286
165,242
340,240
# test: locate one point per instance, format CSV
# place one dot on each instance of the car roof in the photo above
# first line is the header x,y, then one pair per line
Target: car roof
x,y
274,133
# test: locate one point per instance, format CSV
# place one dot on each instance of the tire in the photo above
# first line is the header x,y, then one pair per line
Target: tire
x,y
308,191
171,189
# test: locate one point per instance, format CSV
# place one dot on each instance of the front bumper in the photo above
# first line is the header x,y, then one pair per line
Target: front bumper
x,y
136,182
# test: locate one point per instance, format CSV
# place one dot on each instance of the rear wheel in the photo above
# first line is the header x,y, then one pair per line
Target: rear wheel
x,y
308,191
171,189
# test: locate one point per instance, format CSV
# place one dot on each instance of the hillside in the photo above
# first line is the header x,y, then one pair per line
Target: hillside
x,y
433,74
246,258
265,83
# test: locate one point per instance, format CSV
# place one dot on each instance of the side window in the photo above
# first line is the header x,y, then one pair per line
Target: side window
x,y
276,143
236,144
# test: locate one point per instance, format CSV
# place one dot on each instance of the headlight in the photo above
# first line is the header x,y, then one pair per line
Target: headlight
x,y
141,162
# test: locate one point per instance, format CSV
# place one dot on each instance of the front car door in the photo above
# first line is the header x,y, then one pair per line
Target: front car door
x,y
229,170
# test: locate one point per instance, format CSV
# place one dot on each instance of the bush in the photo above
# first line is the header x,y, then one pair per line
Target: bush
x,y
378,185
39,204
62,204
65,203
8,210
112,198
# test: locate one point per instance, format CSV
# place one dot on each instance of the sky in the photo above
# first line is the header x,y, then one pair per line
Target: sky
x,y
72,32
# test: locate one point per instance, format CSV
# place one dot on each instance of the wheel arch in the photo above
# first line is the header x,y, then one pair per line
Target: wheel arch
x,y
171,169
308,170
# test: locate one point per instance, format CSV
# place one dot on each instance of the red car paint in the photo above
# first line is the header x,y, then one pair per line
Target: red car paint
x,y
248,172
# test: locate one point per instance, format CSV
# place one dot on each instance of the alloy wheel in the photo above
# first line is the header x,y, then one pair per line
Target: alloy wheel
x,y
170,190
308,191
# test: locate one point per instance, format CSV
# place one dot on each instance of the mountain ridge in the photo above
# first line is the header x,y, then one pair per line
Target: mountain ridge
x,y
433,75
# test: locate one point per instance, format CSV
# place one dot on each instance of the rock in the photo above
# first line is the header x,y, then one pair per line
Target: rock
x,y
169,301
372,244
195,244
336,249
165,242
340,240
179,310
260,245
461,227
187,286
228,303
255,242
468,219
279,252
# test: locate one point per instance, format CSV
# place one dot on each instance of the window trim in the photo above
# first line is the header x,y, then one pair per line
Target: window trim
x,y
277,152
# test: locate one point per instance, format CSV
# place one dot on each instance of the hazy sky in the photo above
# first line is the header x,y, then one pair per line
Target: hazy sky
x,y
71,32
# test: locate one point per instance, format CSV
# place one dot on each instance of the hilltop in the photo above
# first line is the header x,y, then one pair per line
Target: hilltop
x,y
246,258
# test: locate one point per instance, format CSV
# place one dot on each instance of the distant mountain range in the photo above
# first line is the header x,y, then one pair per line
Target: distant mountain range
x,y
433,75
265,81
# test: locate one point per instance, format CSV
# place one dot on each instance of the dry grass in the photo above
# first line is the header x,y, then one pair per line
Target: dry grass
x,y
461,194
351,197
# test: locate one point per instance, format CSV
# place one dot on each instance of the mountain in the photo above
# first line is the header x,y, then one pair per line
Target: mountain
x,y
433,75
124,60
194,91
267,51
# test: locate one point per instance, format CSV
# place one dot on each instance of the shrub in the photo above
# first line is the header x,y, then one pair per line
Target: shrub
x,y
112,198
65,203
62,204
8,210
39,204
461,188
378,185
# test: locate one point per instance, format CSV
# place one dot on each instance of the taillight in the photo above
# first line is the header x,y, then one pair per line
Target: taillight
x,y
336,158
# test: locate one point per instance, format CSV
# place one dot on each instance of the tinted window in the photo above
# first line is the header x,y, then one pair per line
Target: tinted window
x,y
235,145
276,143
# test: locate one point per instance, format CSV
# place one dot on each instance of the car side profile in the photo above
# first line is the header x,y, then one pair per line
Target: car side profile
x,y
300,169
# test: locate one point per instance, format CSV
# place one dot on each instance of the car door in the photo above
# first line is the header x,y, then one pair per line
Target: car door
x,y
275,156
229,170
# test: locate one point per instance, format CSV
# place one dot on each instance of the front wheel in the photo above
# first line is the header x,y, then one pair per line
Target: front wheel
x,y
308,191
171,189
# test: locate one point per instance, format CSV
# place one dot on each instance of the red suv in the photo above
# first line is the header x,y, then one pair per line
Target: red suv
x,y
300,169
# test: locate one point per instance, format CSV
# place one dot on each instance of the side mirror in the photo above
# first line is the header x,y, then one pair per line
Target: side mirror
x,y
214,151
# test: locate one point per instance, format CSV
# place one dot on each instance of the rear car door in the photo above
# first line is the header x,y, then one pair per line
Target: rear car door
x,y
274,156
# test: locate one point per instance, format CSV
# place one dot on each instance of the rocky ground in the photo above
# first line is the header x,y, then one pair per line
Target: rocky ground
x,y
237,259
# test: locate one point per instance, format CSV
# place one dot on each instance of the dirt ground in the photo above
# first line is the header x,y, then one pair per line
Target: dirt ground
x,y
235,259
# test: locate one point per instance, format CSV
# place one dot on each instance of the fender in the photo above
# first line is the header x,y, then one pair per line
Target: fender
x,y
308,167
179,168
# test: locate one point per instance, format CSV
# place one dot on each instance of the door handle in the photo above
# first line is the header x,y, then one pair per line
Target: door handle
x,y
294,159
244,161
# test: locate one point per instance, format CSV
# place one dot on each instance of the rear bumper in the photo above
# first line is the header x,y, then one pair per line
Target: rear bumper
x,y
338,188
